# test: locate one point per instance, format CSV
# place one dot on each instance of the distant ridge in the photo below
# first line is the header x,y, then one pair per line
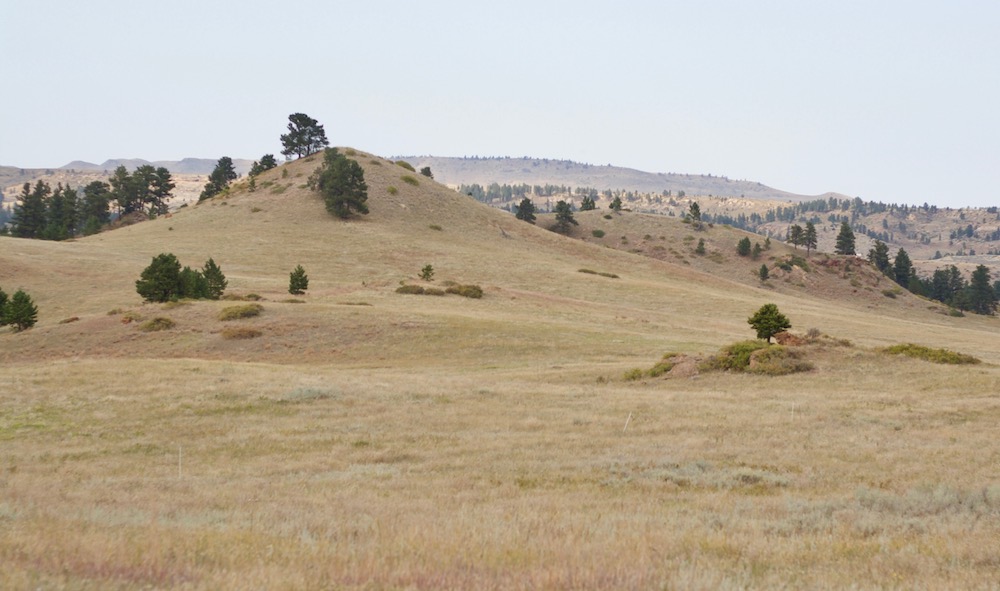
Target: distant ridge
x,y
183,166
541,171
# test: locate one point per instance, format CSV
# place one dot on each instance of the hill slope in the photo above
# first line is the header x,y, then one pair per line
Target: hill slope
x,y
365,439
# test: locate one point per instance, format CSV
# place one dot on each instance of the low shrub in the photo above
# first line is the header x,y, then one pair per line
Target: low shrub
x,y
69,320
130,317
235,297
436,227
238,312
633,375
607,216
392,190
932,355
601,273
410,289
466,291
777,361
158,323
889,293
433,291
735,357
406,165
597,233
410,180
292,301
240,333
663,366
956,313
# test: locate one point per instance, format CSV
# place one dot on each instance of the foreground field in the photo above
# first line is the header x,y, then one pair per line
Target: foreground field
x,y
217,475
365,439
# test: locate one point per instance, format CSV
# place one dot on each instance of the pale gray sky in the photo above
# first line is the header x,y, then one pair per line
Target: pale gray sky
x,y
890,101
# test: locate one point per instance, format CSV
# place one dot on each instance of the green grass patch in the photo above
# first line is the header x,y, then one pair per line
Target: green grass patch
x,y
601,273
410,180
392,190
436,228
633,374
932,355
597,233
406,165
238,312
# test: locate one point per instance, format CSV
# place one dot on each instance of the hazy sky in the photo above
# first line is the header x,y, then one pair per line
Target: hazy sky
x,y
890,101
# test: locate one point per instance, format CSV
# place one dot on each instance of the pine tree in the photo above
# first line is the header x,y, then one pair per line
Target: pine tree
x,y
763,273
214,279
93,212
161,280
192,284
902,268
700,249
298,281
20,312
845,240
267,162
981,298
694,212
809,239
526,211
743,247
341,182
588,203
768,321
223,174
757,250
29,219
616,204
879,256
795,236
305,136
426,171
564,216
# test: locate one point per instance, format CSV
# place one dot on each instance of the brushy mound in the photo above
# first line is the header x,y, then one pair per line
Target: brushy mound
x,y
932,355
237,312
410,290
757,357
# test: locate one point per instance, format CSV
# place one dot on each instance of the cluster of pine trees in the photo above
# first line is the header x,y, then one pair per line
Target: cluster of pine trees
x,y
164,280
61,213
946,285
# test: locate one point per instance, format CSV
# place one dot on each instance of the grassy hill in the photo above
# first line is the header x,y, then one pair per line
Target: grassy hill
x,y
370,439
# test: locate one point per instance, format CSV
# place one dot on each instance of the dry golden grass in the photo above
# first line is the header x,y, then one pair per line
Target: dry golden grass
x,y
372,440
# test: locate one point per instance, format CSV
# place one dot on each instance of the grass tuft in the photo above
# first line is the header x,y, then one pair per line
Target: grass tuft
x,y
601,273
238,312
410,180
238,333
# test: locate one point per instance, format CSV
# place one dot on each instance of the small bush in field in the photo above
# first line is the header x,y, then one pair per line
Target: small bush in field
x,y
238,312
597,233
433,291
466,291
633,375
777,361
410,180
410,290
157,324
240,333
406,165
392,190
663,366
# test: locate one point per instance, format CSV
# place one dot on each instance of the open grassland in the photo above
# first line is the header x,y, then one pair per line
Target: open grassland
x,y
364,439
